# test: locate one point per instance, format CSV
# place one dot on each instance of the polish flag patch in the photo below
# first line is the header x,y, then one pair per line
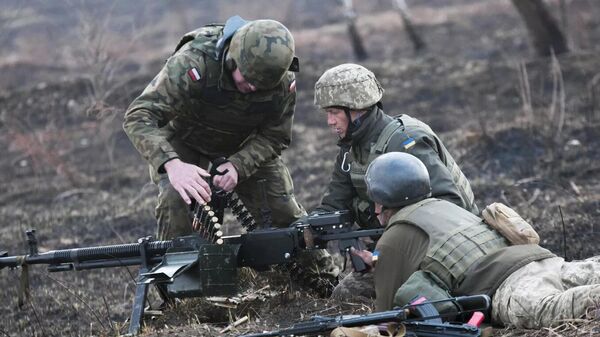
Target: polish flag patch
x,y
293,86
194,74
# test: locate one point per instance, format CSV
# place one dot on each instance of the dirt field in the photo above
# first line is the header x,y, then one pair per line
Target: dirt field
x,y
69,171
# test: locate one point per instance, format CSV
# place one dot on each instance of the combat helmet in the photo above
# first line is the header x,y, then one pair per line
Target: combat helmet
x,y
397,179
348,85
263,50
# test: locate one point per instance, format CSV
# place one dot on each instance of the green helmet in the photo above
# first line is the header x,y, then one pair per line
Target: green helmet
x,y
348,85
263,51
397,179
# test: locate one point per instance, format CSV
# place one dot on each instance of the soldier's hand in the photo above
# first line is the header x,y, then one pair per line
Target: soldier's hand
x,y
187,179
227,181
365,255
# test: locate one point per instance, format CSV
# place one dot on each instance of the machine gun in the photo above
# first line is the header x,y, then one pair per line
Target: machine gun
x,y
193,266
417,319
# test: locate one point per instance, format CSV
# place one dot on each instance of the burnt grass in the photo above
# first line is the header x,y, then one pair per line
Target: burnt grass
x,y
69,171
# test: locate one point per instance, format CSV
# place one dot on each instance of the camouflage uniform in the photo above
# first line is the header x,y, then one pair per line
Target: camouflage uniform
x,y
347,190
544,292
192,110
530,287
354,86
436,249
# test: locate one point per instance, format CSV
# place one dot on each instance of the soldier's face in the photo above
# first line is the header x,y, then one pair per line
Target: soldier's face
x,y
337,120
241,84
382,215
378,209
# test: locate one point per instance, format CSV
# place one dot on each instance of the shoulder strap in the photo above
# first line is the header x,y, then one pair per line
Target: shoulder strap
x,y
185,39
385,136
406,210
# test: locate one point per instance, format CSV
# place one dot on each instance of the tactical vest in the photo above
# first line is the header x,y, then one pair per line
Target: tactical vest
x,y
399,126
221,120
457,239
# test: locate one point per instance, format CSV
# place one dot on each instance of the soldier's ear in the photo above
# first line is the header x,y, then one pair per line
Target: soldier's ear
x,y
295,66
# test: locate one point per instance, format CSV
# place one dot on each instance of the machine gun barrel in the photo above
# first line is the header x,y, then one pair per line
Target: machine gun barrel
x,y
191,266
88,254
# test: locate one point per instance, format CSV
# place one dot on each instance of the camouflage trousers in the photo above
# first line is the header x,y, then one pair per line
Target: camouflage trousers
x,y
355,285
544,292
315,271
175,219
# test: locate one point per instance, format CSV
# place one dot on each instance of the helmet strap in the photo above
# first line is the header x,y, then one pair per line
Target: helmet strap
x,y
351,127
229,61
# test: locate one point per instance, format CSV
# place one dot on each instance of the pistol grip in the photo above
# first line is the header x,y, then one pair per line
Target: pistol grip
x,y
357,263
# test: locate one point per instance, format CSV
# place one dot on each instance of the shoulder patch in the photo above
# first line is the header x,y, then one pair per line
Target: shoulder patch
x,y
194,74
293,86
408,143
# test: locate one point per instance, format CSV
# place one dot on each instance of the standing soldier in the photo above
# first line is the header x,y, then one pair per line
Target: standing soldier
x,y
227,91
351,96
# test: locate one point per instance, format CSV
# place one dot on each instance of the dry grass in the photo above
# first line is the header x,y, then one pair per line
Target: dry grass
x,y
467,73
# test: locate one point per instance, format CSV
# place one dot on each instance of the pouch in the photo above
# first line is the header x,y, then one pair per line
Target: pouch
x,y
510,224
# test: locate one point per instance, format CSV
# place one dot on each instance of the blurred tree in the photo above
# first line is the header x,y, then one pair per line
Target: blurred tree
x,y
545,33
563,16
181,11
402,8
357,44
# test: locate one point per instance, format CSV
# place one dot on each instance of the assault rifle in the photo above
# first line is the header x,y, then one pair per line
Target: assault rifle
x,y
193,266
420,318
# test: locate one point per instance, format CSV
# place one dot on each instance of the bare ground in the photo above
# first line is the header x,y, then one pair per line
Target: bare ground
x,y
69,171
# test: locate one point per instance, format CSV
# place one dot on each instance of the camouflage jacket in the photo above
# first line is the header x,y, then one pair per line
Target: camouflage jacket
x,y
194,99
347,190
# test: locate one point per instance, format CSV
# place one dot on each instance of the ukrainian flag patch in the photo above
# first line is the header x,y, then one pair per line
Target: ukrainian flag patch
x,y
407,144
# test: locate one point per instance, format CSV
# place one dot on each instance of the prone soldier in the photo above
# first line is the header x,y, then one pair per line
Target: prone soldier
x,y
436,249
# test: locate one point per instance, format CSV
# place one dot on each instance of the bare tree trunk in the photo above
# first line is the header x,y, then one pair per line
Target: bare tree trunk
x,y
543,29
417,41
357,43
563,17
